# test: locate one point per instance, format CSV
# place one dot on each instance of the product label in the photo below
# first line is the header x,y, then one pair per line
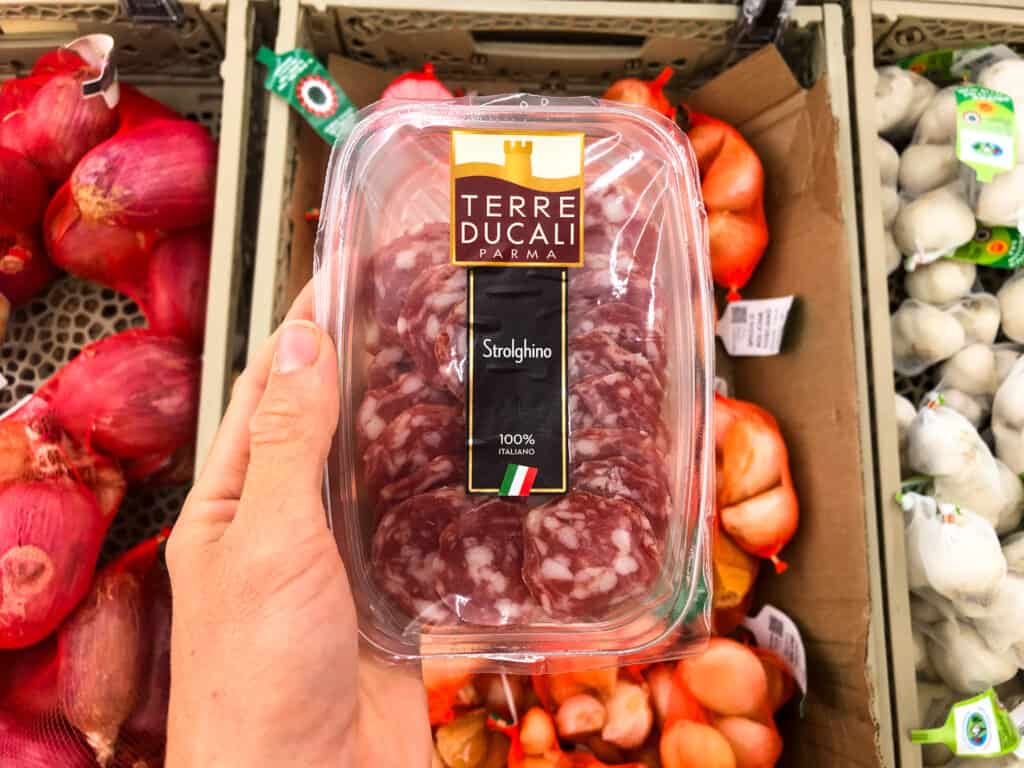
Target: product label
x,y
98,51
986,131
517,199
518,413
1001,247
300,79
776,631
975,727
754,327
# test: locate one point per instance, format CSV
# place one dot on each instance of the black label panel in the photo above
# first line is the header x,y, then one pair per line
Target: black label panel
x,y
518,417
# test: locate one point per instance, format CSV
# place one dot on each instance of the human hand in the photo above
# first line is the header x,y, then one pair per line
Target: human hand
x,y
265,657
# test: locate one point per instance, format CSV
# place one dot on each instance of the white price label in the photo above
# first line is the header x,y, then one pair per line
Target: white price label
x,y
776,631
754,327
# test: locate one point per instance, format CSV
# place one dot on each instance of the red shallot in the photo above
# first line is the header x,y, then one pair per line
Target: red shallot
x,y
61,124
421,86
175,301
40,745
159,176
113,256
131,395
135,108
102,650
23,192
15,96
50,536
28,680
24,268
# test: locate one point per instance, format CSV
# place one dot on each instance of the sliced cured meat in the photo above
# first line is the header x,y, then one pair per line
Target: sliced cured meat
x,y
619,477
386,366
614,400
596,353
405,549
451,349
427,305
411,440
630,328
609,281
438,472
584,554
381,405
479,566
397,265
379,338
606,442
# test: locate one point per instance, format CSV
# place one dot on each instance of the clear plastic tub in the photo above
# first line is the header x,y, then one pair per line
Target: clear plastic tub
x,y
522,469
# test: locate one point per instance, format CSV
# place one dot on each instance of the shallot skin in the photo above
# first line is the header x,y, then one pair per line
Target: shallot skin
x,y
50,537
131,395
175,302
38,745
135,108
161,175
23,192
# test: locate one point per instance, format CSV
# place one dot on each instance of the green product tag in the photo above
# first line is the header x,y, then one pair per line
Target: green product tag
x,y
976,727
935,65
302,81
1001,247
986,131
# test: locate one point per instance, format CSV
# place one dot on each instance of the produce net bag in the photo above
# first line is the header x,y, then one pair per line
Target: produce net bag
x,y
519,292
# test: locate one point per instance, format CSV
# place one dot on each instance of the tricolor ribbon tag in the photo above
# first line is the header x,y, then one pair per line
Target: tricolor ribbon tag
x,y
518,480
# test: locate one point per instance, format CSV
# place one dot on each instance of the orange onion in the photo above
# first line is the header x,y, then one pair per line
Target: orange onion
x,y
781,685
727,678
756,745
61,124
103,253
129,396
687,744
161,175
50,537
644,93
764,524
103,648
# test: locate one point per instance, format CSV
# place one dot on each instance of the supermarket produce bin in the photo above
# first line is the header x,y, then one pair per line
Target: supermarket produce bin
x,y
889,32
832,589
202,68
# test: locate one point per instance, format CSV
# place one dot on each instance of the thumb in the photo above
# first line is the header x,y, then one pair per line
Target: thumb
x,y
290,432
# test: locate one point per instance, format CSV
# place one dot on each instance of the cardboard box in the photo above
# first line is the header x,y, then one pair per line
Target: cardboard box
x,y
813,387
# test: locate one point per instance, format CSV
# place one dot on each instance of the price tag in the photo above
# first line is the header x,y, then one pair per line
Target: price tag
x,y
754,327
975,727
98,51
1000,247
776,631
986,131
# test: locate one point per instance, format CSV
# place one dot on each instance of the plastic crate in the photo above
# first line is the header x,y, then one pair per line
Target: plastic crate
x,y
885,32
203,68
579,47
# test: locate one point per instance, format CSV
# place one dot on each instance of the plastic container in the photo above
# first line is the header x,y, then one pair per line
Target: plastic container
x,y
558,346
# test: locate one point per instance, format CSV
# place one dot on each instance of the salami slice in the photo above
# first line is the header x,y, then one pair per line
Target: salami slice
x,y
386,366
596,353
378,337
604,442
405,547
451,349
380,406
427,305
479,566
619,477
411,440
438,472
630,328
585,554
397,265
608,281
614,400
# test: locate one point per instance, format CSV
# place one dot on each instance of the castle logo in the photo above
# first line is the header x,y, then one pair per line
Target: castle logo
x,y
517,199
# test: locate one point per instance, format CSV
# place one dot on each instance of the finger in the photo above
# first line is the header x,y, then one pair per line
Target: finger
x,y
290,432
223,473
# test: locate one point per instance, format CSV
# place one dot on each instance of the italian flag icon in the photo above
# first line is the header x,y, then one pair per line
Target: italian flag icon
x,y
518,480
